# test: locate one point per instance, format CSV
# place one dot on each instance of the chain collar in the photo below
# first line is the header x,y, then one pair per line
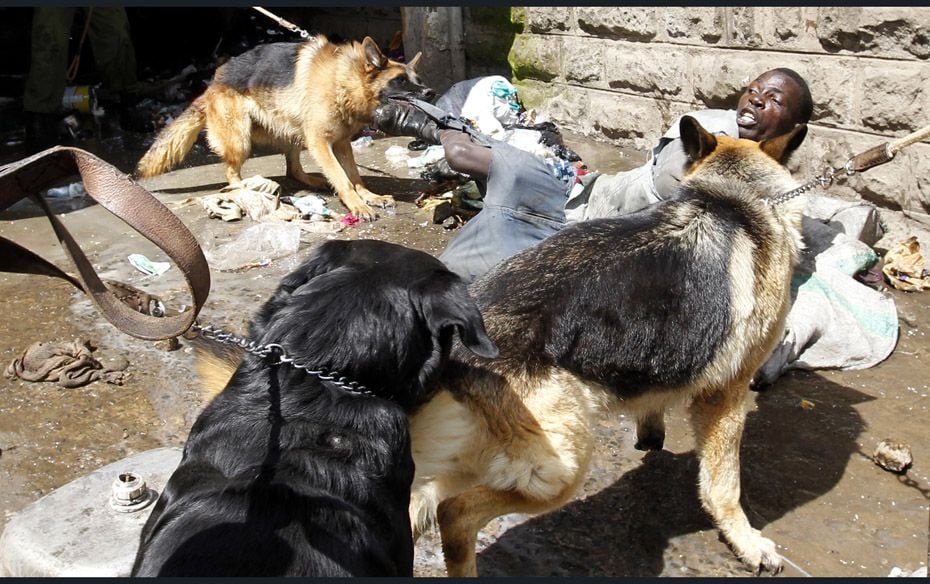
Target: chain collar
x,y
267,350
823,181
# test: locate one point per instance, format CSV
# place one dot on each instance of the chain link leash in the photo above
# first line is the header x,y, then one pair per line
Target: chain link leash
x,y
218,335
823,181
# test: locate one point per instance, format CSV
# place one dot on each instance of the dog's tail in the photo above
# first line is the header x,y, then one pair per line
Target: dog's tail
x,y
216,364
174,142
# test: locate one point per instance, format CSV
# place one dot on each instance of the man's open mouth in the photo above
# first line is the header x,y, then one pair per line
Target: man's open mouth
x,y
746,117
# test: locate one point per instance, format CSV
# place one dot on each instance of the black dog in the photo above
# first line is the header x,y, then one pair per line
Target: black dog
x,y
287,472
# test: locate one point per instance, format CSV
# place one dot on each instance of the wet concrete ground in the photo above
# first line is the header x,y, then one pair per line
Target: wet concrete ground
x,y
808,481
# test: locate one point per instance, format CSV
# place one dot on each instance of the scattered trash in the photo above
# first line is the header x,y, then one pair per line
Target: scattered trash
x,y
146,266
904,267
396,155
807,404
260,242
349,219
79,97
431,154
258,197
70,363
71,191
493,104
363,142
892,455
309,205
897,572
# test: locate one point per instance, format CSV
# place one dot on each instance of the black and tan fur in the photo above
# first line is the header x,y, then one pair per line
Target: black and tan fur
x,y
680,302
290,473
315,95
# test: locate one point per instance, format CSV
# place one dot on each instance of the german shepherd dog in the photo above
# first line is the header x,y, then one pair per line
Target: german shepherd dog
x,y
679,302
315,95
292,471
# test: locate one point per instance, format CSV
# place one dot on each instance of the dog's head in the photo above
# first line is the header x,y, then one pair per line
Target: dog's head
x,y
378,313
392,78
759,164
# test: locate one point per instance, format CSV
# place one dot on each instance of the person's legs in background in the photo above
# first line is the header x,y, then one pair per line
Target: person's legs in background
x,y
45,83
114,54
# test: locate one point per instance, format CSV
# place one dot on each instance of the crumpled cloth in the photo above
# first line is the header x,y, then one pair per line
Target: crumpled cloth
x,y
835,321
904,267
70,363
255,196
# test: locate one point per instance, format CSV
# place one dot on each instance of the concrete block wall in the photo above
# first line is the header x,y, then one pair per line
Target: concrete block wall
x,y
623,74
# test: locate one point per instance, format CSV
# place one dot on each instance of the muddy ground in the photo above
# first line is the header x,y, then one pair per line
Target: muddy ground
x,y
808,480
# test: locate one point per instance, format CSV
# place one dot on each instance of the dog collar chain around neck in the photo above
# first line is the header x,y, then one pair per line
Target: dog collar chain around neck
x,y
823,181
267,350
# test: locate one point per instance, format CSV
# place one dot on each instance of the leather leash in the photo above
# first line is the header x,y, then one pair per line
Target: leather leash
x,y
283,23
129,201
875,156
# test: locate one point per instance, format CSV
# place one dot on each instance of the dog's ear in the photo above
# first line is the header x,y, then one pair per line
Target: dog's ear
x,y
697,141
413,62
781,147
445,305
373,55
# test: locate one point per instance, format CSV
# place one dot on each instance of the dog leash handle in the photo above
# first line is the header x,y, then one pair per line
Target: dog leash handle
x,y
129,201
884,152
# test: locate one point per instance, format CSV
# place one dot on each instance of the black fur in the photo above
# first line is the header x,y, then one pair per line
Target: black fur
x,y
404,86
269,65
626,302
287,474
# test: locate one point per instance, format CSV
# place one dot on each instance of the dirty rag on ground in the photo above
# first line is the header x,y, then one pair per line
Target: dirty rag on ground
x,y
69,363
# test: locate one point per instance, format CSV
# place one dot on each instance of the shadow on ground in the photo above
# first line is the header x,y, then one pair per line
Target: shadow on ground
x,y
790,455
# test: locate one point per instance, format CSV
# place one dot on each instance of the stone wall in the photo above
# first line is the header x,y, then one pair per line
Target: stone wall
x,y
624,74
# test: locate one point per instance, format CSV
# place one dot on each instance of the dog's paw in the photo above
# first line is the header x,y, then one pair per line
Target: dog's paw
x,y
363,212
759,554
374,200
649,439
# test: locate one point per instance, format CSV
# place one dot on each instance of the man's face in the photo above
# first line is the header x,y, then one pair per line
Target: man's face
x,y
768,108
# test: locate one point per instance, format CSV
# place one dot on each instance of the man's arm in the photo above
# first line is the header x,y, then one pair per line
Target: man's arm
x,y
465,156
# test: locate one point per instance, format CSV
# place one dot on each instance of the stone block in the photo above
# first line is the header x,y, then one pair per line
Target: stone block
x,y
895,99
896,31
620,23
627,121
695,24
583,61
834,88
894,185
535,57
649,70
549,19
788,22
566,106
745,28
719,77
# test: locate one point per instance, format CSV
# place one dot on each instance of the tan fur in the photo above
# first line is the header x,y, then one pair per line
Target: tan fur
x,y
333,94
518,444
215,365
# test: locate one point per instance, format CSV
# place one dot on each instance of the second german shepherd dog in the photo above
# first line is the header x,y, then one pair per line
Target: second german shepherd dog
x,y
315,95
680,302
